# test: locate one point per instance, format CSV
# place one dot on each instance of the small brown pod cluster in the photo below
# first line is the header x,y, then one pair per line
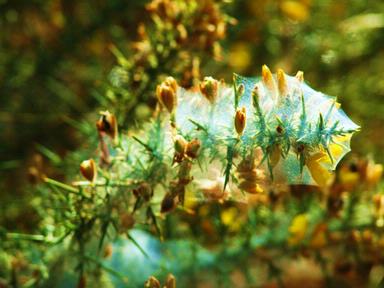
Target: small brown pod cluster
x,y
152,282
184,149
250,177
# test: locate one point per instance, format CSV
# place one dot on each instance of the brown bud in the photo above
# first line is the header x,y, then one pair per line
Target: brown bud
x,y
209,88
170,282
108,125
300,76
168,203
126,221
144,190
193,148
282,82
89,170
180,144
240,120
108,249
166,96
152,282
378,200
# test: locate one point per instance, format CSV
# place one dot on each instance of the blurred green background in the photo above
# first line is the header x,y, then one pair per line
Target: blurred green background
x,y
56,57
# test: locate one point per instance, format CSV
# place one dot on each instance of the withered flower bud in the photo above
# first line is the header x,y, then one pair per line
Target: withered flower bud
x,y
209,88
193,148
377,200
152,282
126,221
89,170
144,190
180,144
108,125
170,282
240,120
166,93
168,203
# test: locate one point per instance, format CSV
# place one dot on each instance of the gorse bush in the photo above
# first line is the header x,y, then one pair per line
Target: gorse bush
x,y
252,147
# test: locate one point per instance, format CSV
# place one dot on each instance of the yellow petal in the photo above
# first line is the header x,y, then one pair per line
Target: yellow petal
x,y
321,175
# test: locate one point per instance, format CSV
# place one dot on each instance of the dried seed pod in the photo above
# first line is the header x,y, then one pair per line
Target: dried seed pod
x,y
209,88
240,120
144,190
152,282
180,144
166,96
193,148
166,93
126,221
168,203
108,125
170,282
249,175
89,170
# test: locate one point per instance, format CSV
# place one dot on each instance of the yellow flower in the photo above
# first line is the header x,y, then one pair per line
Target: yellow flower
x,y
230,218
295,10
298,229
319,173
319,237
